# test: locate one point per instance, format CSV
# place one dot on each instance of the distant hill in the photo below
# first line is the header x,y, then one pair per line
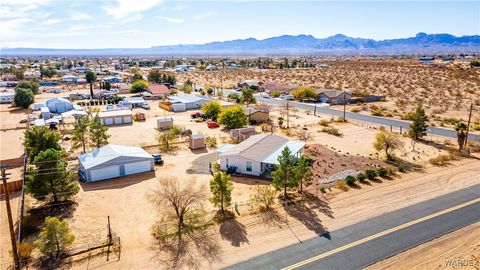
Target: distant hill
x,y
338,44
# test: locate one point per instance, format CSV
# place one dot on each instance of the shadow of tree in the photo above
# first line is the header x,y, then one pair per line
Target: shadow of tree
x,y
304,208
33,221
271,218
188,251
234,232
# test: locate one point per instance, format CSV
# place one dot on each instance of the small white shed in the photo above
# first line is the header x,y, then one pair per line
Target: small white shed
x,y
164,123
196,141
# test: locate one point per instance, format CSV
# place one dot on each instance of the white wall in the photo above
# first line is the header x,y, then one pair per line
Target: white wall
x,y
240,163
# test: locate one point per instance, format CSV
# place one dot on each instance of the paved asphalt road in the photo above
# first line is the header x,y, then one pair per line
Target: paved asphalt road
x,y
367,242
444,132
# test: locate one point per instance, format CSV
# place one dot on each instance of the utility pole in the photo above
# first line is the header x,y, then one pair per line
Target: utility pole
x,y
468,125
10,220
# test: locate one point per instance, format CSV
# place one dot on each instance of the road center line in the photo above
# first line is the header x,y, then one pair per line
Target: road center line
x,y
380,234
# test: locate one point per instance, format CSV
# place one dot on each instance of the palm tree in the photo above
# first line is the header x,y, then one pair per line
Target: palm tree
x,y
90,77
461,135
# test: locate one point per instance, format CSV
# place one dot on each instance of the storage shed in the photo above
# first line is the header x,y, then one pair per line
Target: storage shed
x,y
164,123
59,105
113,161
197,141
116,117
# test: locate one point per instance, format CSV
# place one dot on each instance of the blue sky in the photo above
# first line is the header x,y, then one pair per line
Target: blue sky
x,y
145,23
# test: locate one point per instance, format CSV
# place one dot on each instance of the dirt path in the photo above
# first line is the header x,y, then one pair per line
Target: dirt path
x,y
254,235
463,244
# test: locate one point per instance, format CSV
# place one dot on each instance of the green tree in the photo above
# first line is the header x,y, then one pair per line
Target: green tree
x,y
50,177
137,76
387,141
33,85
186,88
98,133
90,77
247,96
461,128
166,138
221,187
38,139
24,97
264,196
233,117
139,86
419,126
304,93
284,175
55,237
303,173
155,76
80,130
211,109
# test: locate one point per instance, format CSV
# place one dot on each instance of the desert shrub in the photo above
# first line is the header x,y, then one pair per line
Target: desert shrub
x,y
443,159
332,131
275,94
211,142
361,177
356,110
322,190
401,168
382,172
350,180
24,250
342,185
264,127
324,122
371,174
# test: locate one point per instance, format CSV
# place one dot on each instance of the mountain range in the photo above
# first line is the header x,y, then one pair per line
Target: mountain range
x,y
339,44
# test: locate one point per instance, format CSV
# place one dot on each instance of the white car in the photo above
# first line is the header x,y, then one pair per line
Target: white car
x,y
264,95
287,97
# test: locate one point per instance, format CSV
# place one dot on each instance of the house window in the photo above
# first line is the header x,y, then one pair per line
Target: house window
x,y
248,166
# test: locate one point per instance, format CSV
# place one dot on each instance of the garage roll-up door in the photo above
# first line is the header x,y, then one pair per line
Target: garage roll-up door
x,y
118,120
108,121
127,119
104,173
138,167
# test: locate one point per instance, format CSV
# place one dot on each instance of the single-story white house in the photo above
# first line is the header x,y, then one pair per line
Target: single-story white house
x,y
257,154
59,105
113,161
182,102
69,79
6,97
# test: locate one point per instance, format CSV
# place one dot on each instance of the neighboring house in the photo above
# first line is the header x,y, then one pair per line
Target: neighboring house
x,y
181,68
111,79
59,105
69,79
104,94
82,69
9,78
255,85
182,102
158,90
32,75
116,117
270,87
258,154
256,116
334,96
113,161
211,68
6,97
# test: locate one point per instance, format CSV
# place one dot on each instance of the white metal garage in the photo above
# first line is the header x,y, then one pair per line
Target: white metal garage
x,y
138,167
113,161
105,173
116,117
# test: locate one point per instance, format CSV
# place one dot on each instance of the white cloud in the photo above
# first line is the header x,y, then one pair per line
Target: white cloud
x,y
179,8
125,8
52,21
78,16
130,31
171,20
204,15
80,27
